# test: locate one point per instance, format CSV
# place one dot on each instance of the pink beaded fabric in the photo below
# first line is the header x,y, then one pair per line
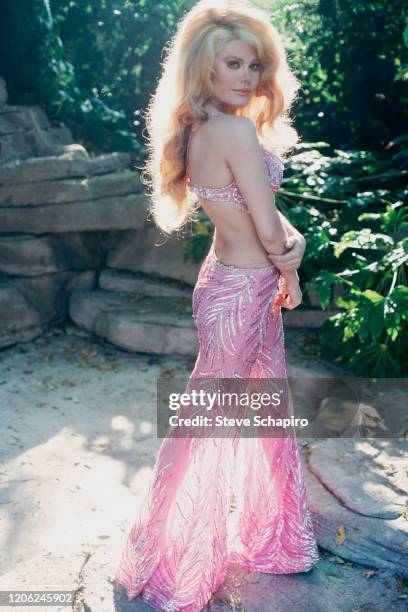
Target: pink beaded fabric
x,y
231,193
185,535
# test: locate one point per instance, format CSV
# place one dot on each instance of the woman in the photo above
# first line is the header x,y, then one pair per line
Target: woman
x,y
216,501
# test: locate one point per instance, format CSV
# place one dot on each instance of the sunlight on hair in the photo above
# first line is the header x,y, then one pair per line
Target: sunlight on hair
x,y
185,87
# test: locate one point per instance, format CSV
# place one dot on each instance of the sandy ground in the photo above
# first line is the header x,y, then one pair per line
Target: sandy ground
x,y
78,446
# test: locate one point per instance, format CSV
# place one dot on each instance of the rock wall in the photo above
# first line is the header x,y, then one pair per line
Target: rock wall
x,y
64,216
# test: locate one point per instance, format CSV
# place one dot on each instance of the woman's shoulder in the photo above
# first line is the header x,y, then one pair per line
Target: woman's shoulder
x,y
229,127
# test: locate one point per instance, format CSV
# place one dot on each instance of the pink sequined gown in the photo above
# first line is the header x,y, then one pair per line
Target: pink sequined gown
x,y
184,536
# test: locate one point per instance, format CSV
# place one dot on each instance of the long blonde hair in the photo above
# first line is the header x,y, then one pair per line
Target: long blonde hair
x,y
185,86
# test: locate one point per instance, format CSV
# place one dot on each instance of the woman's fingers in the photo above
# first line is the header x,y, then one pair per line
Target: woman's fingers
x,y
288,266
290,260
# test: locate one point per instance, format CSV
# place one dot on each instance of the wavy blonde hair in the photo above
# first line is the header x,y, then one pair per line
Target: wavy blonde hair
x,y
185,86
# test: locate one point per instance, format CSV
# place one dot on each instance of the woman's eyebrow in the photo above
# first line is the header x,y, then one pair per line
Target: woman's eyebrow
x,y
239,58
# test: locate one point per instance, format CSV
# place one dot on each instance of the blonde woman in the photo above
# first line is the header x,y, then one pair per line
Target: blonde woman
x,y
219,128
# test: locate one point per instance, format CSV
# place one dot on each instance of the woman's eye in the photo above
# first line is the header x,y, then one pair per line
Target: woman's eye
x,y
235,64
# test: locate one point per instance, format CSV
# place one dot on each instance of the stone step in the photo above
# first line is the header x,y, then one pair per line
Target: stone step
x,y
159,325
75,162
302,316
65,191
130,282
112,213
28,306
365,539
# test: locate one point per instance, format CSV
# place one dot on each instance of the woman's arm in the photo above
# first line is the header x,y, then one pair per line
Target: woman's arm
x,y
238,141
296,245
292,231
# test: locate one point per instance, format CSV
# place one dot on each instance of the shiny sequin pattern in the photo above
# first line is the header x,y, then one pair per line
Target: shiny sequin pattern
x,y
185,536
231,193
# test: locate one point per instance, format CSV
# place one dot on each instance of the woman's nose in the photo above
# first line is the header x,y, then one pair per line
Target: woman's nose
x,y
245,75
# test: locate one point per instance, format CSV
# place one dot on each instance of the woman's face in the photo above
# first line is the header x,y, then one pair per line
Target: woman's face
x,y
237,73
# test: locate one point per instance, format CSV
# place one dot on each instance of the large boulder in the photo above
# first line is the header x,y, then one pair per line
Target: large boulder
x,y
28,306
31,255
339,526
148,251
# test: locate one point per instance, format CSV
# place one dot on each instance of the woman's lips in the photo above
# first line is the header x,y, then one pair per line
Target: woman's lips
x,y
242,92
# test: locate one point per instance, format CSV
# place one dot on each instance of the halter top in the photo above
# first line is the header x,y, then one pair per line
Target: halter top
x,y
231,193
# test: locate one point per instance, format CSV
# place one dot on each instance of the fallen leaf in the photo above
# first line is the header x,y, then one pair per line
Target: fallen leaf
x,y
368,573
335,578
341,534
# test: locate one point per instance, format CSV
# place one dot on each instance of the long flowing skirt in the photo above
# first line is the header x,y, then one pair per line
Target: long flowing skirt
x,y
185,536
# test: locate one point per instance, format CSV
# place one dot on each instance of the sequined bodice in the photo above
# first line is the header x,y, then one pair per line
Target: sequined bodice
x,y
231,193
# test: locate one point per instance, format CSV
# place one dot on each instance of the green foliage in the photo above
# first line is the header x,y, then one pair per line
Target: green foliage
x,y
91,64
95,63
352,61
197,244
356,243
117,48
368,334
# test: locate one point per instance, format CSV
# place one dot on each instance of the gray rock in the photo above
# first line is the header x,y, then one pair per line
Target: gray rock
x,y
376,542
342,466
30,255
26,132
3,91
17,119
17,146
115,213
27,255
49,294
149,252
70,190
75,162
161,326
29,305
330,585
19,320
53,141
128,282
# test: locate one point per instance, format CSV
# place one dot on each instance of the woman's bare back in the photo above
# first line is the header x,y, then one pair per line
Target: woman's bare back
x,y
236,241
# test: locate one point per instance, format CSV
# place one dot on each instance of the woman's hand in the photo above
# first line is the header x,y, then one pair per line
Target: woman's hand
x,y
291,260
293,295
288,296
